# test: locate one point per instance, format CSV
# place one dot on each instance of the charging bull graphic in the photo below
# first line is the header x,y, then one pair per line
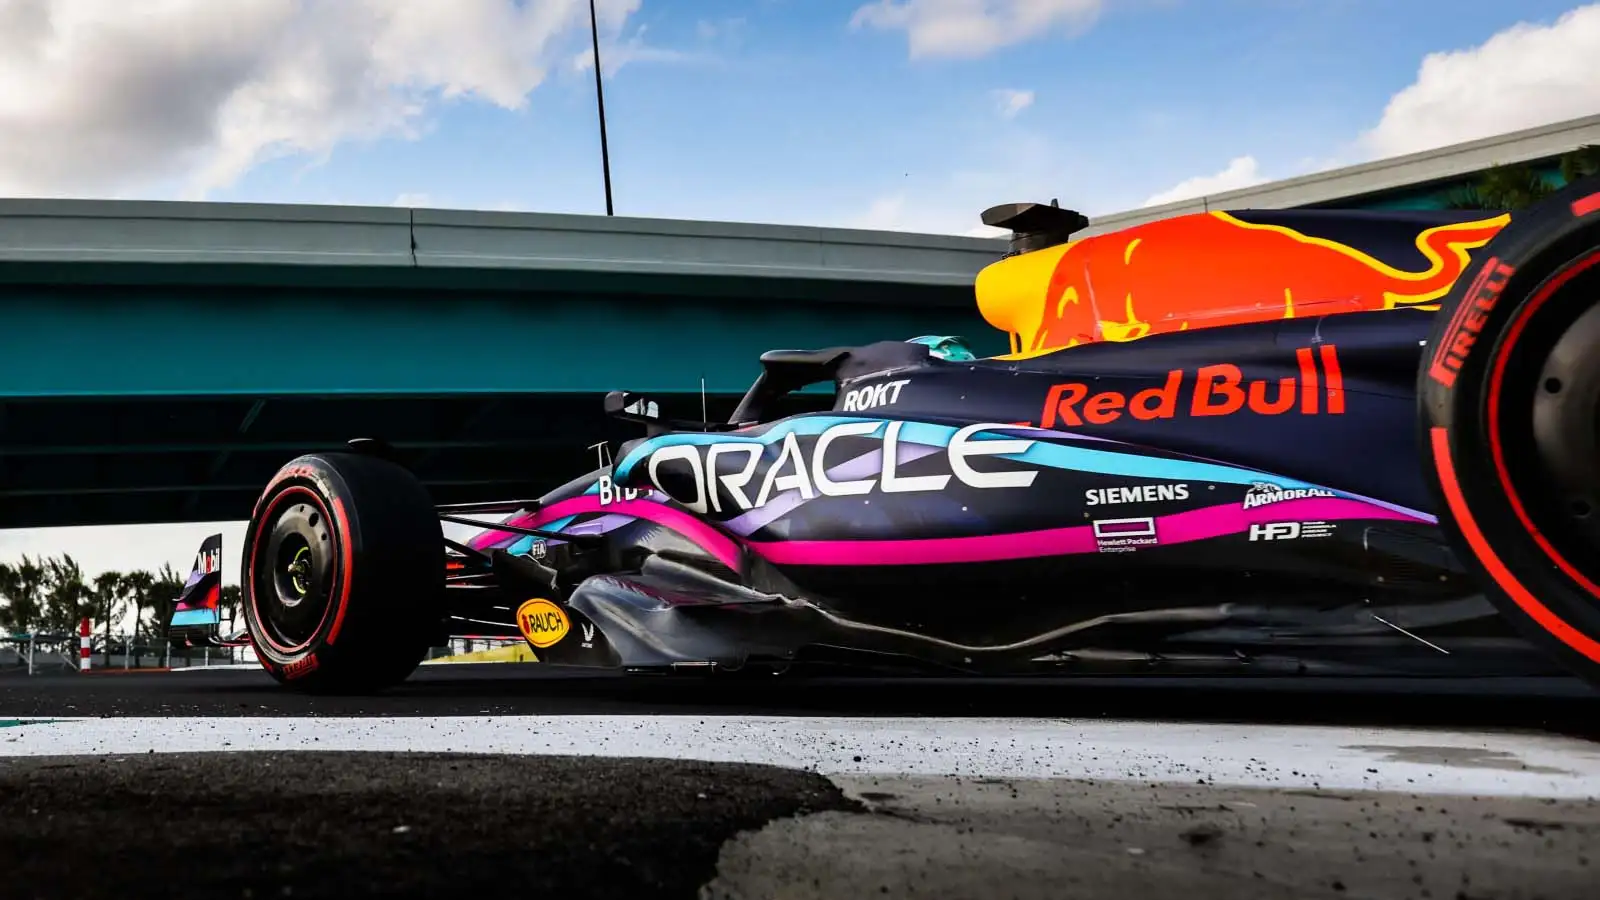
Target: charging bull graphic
x,y
1219,268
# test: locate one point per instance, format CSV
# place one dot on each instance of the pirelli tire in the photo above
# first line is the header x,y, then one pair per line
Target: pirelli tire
x,y
343,574
1509,387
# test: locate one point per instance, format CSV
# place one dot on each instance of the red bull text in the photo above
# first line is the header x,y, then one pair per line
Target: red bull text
x,y
1216,390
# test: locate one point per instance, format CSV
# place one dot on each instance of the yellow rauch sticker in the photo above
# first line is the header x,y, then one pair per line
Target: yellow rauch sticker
x,y
543,623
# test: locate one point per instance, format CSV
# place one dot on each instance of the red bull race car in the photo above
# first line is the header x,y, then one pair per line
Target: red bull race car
x,y
1300,441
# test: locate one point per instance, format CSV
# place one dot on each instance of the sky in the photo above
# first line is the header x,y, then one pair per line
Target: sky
x,y
910,115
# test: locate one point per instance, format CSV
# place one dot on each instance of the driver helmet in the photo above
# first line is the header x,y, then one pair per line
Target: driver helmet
x,y
945,346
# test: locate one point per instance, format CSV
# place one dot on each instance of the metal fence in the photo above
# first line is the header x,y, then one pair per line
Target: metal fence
x,y
55,653
43,653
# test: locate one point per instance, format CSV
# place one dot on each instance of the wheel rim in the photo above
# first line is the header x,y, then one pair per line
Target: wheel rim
x,y
293,575
1566,425
1545,420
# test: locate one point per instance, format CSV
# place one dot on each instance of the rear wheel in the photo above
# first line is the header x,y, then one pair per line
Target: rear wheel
x,y
1510,393
343,580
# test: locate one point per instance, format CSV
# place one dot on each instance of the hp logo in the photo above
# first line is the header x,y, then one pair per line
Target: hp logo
x,y
1275,531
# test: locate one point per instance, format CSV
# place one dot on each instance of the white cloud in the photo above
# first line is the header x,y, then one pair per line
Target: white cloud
x,y
1020,166
106,98
1011,102
953,202
1241,172
632,51
1525,76
1522,77
730,29
893,212
884,214
430,201
974,28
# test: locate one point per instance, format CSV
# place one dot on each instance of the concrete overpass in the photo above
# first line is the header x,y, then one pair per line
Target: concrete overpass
x,y
161,360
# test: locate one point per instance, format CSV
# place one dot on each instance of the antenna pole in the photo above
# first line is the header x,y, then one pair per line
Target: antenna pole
x,y
600,103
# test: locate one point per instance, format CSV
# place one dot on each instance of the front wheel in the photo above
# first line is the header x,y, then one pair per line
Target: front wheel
x,y
343,581
1509,388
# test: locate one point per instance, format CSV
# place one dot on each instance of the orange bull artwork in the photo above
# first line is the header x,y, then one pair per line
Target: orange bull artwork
x,y
1206,270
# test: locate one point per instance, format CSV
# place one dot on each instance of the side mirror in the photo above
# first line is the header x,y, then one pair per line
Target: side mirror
x,y
632,407
1034,226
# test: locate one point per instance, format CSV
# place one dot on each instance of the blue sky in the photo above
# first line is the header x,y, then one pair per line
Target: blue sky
x,y
905,114
780,110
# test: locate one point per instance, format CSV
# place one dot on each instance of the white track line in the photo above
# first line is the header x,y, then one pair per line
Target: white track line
x,y
1455,762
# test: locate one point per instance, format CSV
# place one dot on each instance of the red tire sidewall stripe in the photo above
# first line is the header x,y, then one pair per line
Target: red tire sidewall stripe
x,y
1553,624
346,570
1496,383
335,609
1586,205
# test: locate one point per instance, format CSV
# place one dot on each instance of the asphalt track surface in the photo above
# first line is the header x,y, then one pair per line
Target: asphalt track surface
x,y
1561,706
354,825
307,824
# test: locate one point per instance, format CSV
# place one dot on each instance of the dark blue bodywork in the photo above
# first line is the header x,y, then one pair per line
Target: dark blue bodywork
x,y
1235,499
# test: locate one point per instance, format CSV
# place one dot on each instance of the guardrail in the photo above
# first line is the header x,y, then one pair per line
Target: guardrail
x,y
57,653
63,653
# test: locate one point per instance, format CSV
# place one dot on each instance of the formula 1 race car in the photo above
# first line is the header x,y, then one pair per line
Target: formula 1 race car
x,y
1298,441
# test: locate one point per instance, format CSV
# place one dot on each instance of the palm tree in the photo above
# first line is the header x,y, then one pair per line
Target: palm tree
x,y
8,586
153,595
21,586
67,599
107,602
1580,163
1504,188
229,601
165,588
1521,186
